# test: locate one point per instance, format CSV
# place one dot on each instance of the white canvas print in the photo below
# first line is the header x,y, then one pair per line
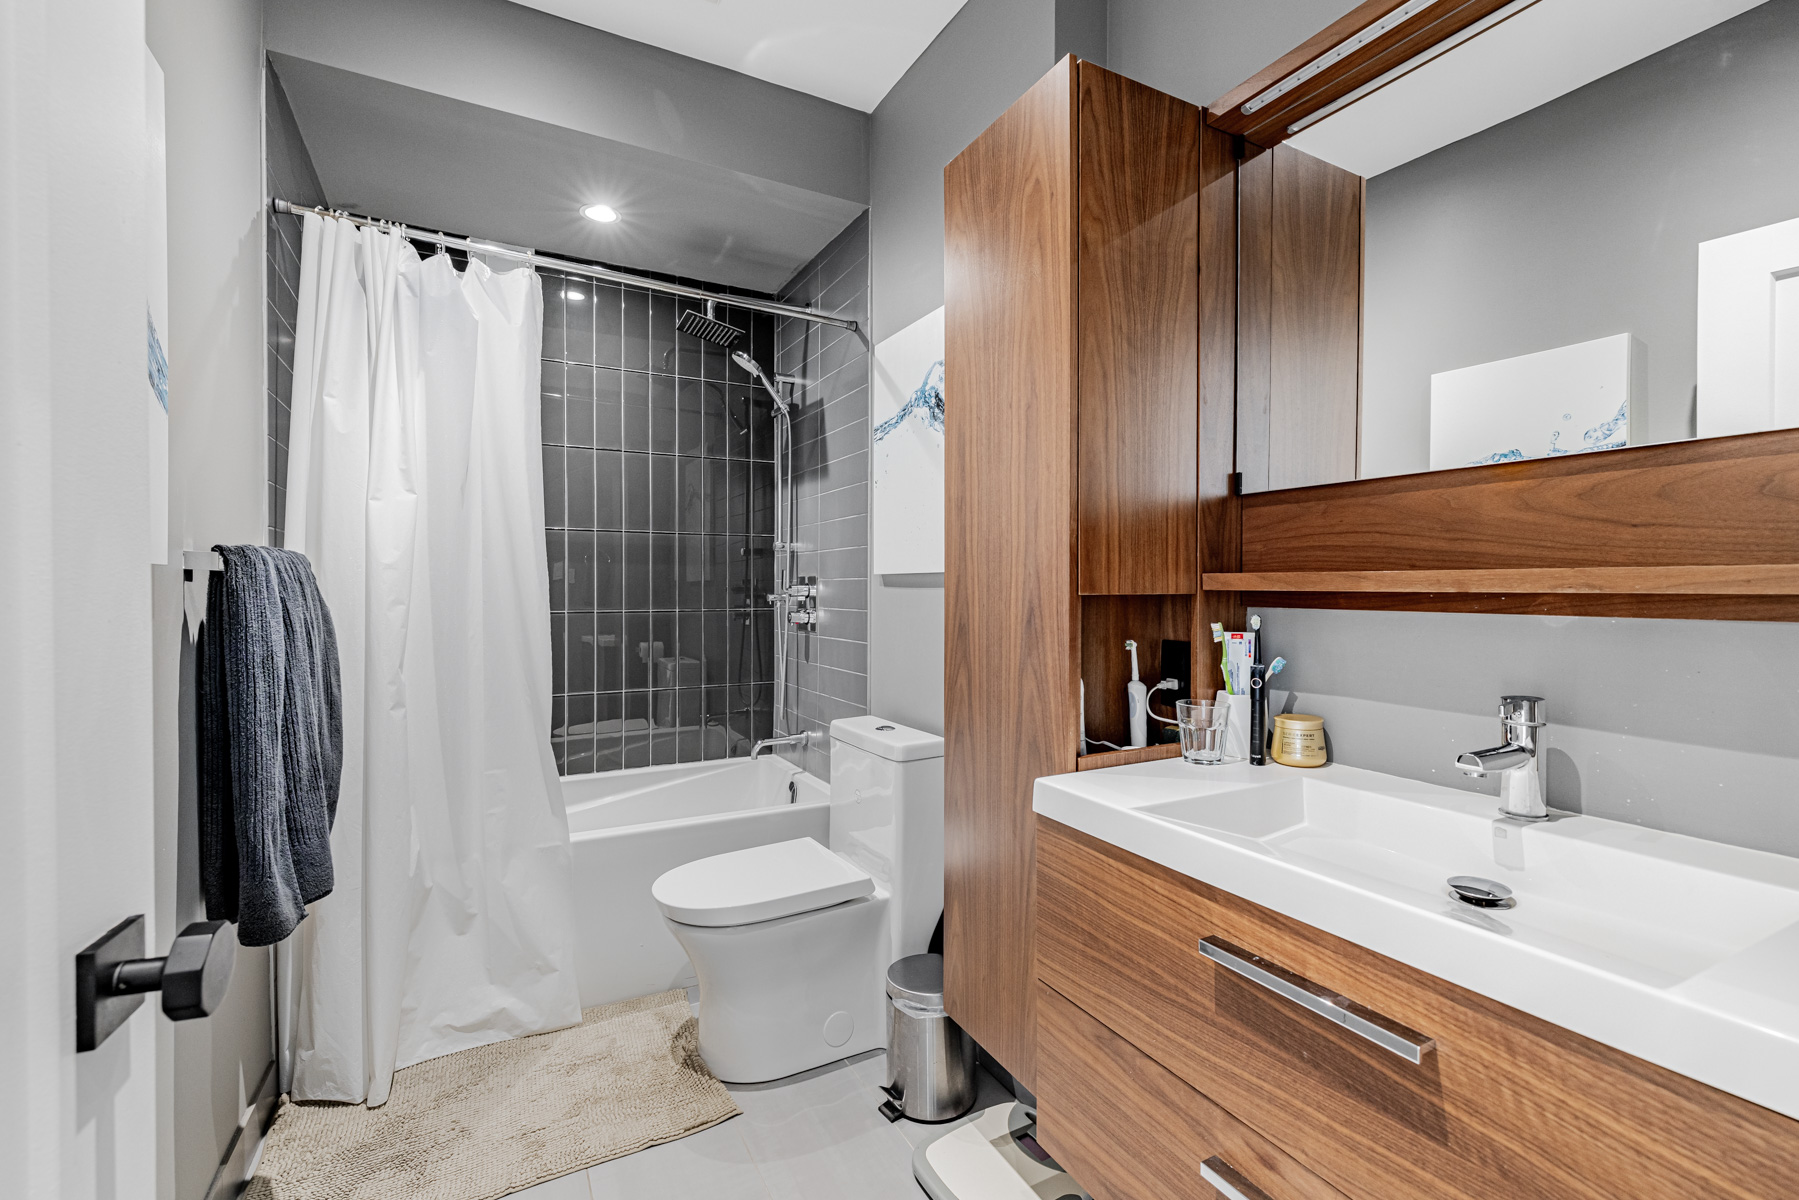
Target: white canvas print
x,y
1570,400
908,450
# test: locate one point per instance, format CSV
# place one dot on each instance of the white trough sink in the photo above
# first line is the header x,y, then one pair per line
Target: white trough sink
x,y
1677,950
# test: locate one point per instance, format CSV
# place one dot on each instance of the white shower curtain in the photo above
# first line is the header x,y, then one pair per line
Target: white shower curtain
x,y
415,487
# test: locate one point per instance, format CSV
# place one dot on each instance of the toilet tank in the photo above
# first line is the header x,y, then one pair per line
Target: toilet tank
x,y
887,818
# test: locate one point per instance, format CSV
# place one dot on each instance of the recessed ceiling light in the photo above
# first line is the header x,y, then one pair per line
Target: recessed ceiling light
x,y
572,294
605,214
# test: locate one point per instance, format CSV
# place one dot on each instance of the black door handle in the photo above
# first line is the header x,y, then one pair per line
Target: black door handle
x,y
111,976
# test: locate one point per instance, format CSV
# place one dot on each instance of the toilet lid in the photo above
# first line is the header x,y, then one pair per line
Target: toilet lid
x,y
759,884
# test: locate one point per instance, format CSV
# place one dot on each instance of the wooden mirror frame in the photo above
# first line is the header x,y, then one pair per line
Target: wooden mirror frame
x,y
1696,529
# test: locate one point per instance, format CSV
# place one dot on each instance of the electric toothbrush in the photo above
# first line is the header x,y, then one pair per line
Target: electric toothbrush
x,y
1137,702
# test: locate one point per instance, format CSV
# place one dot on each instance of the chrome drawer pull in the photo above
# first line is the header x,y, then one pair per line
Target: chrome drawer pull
x,y
1231,1185
1408,1043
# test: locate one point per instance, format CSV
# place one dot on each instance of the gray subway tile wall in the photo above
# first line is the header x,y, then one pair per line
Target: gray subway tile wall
x,y
659,521
288,174
828,666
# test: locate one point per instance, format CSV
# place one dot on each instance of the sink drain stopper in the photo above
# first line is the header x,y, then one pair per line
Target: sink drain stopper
x,y
1481,893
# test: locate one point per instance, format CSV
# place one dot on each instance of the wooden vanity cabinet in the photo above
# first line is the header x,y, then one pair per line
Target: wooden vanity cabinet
x,y
1072,337
1126,1126
1498,1106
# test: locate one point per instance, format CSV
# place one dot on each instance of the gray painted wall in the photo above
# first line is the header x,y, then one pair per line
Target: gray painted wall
x,y
985,58
1080,29
1577,220
211,56
519,60
1200,49
1687,726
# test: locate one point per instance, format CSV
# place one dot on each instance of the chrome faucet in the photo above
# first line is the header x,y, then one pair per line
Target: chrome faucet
x,y
775,743
1518,762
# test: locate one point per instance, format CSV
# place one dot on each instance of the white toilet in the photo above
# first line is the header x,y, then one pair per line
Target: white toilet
x,y
791,941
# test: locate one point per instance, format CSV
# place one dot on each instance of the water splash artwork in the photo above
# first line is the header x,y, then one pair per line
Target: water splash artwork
x,y
926,400
1603,436
906,467
1512,455
159,364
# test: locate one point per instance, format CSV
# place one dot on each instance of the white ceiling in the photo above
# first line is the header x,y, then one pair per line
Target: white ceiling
x,y
848,51
1548,49
436,162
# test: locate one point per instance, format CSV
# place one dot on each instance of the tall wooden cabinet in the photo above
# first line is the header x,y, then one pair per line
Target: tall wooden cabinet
x,y
1077,348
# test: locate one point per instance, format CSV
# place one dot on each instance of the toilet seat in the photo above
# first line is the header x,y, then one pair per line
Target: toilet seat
x,y
761,883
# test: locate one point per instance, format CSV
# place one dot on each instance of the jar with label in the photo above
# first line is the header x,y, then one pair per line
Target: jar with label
x,y
1298,740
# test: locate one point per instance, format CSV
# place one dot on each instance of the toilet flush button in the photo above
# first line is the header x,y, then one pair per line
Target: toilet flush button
x,y
838,1027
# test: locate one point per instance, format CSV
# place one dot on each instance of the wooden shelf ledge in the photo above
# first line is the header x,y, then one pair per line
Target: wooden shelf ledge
x,y
1765,579
1122,758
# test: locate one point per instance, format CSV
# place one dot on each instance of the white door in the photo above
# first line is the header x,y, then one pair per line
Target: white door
x,y
76,829
1749,331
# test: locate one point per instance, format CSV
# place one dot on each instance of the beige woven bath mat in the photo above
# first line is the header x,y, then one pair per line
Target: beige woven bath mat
x,y
489,1121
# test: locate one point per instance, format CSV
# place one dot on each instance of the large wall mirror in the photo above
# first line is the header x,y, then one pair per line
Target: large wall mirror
x,y
1580,232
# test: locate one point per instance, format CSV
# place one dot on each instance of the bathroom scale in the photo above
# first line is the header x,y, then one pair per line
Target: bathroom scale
x,y
992,1155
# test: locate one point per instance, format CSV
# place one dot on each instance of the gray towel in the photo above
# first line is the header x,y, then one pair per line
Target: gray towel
x,y
270,742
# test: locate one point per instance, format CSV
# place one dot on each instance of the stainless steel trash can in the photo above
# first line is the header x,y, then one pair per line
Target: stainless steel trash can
x,y
930,1061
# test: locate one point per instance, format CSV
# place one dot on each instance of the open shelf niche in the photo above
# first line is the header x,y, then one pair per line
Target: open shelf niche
x,y
1106,623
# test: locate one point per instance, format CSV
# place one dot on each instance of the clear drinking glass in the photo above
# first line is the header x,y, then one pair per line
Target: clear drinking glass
x,y
1202,730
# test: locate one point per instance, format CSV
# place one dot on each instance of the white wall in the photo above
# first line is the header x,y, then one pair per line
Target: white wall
x,y
76,758
211,55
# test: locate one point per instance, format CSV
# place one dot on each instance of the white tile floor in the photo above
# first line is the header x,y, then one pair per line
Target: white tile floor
x,y
814,1136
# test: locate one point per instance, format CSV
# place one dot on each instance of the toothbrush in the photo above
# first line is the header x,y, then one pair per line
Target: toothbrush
x,y
1136,698
1258,715
1259,675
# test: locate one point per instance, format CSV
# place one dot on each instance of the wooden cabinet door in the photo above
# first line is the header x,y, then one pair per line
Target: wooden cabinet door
x,y
1011,636
1128,1129
1138,496
1299,321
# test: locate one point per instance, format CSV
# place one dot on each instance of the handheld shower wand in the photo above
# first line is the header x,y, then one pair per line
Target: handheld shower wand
x,y
755,369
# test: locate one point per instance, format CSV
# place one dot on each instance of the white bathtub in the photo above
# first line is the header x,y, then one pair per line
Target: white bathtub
x,y
628,827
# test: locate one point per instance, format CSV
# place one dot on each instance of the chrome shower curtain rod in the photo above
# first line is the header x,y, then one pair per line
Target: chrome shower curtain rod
x,y
574,268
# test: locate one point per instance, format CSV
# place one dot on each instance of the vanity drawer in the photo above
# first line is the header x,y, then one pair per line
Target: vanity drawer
x,y
1128,1129
1497,1105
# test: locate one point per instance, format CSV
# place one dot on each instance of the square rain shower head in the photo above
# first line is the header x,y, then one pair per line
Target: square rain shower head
x,y
708,328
